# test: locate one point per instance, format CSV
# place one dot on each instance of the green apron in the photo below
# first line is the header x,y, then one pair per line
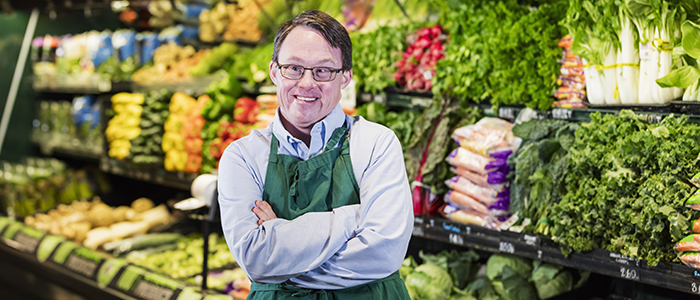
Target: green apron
x,y
294,187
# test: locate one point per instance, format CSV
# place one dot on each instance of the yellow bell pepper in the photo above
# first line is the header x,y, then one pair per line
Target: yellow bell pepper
x,y
127,98
172,141
174,123
180,103
175,161
131,133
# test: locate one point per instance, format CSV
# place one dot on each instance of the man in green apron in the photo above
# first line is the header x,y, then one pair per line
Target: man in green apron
x,y
317,205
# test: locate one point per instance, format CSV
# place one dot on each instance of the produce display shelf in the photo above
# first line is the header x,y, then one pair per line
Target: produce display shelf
x,y
90,273
157,175
79,152
673,276
511,113
398,100
101,88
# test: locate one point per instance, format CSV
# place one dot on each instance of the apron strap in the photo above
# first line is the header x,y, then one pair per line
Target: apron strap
x,y
274,148
338,133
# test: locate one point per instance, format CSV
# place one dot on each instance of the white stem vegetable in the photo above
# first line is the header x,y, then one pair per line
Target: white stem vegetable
x,y
609,78
628,55
594,87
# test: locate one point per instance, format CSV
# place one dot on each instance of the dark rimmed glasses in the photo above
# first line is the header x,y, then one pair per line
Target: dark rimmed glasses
x,y
296,72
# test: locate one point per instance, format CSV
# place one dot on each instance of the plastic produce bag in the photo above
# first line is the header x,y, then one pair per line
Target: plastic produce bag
x,y
691,259
457,214
487,136
485,195
465,202
689,243
469,160
481,180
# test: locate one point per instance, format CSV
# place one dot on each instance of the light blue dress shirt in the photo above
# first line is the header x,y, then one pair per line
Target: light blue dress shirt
x,y
349,246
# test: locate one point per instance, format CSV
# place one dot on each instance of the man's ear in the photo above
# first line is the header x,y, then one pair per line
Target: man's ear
x,y
274,72
347,76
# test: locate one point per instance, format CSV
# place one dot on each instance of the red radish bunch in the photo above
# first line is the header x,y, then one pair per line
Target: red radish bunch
x,y
417,67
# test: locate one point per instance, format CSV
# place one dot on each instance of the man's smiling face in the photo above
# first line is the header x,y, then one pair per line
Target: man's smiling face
x,y
305,101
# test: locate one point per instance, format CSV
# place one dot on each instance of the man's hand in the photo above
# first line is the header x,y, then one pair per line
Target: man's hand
x,y
263,211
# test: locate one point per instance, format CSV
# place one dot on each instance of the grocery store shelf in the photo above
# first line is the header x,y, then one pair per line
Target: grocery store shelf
x,y
673,276
160,176
102,88
79,152
43,273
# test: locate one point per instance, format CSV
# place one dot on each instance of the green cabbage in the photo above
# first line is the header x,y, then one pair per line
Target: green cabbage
x,y
509,276
430,282
551,280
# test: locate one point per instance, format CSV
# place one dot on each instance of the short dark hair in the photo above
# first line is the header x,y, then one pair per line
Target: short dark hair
x,y
331,30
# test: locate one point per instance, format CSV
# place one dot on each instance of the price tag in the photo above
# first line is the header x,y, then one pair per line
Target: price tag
x,y
108,271
562,113
145,285
26,238
12,230
629,273
456,239
84,262
156,286
506,247
47,246
506,113
418,229
624,260
4,221
530,240
695,288
651,119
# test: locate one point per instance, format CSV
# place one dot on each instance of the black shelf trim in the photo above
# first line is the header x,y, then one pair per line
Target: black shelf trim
x,y
673,276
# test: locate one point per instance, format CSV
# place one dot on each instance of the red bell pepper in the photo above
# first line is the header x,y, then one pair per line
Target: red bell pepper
x,y
246,110
194,162
193,145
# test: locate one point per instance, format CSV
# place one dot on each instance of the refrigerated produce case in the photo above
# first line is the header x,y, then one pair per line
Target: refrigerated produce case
x,y
40,259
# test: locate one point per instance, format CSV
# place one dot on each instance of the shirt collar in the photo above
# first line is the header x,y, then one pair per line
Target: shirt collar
x,y
320,134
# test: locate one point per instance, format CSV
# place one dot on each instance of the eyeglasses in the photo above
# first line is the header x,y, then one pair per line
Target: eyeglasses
x,y
320,74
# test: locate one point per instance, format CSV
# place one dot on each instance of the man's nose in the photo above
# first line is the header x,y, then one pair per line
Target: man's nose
x,y
307,80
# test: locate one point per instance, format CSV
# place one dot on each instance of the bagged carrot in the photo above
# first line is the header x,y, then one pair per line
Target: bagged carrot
x,y
465,202
471,161
694,201
689,243
691,259
485,195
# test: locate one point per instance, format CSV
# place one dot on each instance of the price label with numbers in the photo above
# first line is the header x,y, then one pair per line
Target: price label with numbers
x,y
456,239
418,229
143,284
629,273
506,113
26,238
562,113
506,247
695,288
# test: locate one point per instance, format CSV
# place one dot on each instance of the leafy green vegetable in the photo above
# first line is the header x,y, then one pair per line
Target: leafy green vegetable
x,y
502,52
430,282
375,54
540,165
460,265
550,279
634,176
